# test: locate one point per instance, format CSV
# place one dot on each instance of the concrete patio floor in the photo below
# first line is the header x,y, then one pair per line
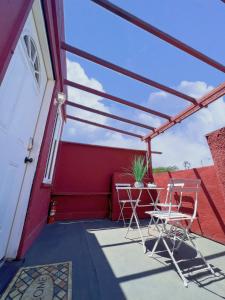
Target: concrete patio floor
x,y
108,266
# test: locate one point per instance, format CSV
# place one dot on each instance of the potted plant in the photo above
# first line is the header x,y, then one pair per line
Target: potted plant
x,y
139,170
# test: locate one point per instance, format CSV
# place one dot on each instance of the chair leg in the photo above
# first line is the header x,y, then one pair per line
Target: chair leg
x,y
185,234
174,229
156,244
141,235
124,221
133,216
128,228
194,246
202,257
175,263
122,215
150,223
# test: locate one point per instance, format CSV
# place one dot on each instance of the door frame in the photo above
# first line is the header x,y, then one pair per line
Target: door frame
x,y
23,198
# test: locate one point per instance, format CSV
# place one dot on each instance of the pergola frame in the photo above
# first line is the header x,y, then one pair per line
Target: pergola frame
x,y
196,104
104,126
77,105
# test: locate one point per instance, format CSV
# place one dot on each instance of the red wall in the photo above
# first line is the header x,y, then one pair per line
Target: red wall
x,y
211,205
13,15
38,208
216,141
82,186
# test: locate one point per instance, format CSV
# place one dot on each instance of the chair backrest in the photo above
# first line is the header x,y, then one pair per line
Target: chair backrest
x,y
186,187
121,192
122,185
169,191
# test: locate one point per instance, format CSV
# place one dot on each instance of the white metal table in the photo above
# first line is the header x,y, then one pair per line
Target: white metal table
x,y
135,203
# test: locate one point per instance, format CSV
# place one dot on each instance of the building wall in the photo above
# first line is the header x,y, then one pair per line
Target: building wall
x,y
211,206
82,187
13,15
216,141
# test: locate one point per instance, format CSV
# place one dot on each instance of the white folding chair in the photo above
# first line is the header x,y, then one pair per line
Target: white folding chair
x,y
123,203
173,218
163,205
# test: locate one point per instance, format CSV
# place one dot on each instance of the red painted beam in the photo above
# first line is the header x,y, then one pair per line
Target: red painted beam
x,y
116,99
204,101
156,152
159,33
149,151
125,72
108,115
104,126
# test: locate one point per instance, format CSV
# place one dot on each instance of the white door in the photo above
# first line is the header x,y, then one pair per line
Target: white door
x,y
21,95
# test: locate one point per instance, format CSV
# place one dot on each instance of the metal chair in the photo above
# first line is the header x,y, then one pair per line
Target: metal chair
x,y
162,206
173,219
123,203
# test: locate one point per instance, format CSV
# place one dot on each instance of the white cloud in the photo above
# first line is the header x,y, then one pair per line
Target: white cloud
x,y
194,89
185,141
80,132
118,140
76,73
149,119
74,130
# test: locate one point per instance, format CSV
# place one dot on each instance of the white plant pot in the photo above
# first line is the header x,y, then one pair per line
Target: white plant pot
x,y
138,184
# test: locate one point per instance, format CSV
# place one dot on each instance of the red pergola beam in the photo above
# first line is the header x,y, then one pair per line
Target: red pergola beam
x,y
155,152
115,99
125,72
104,126
204,101
108,115
159,33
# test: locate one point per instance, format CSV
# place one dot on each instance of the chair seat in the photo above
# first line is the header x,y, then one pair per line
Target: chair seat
x,y
127,201
166,215
167,205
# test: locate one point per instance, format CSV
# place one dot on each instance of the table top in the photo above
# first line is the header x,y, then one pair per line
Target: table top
x,y
139,188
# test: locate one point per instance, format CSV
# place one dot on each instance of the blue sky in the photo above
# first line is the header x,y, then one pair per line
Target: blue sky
x,y
199,23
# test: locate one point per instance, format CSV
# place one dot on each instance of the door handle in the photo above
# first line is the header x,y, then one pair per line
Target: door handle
x,y
28,160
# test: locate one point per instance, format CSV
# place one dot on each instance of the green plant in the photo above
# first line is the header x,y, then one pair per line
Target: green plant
x,y
165,169
139,168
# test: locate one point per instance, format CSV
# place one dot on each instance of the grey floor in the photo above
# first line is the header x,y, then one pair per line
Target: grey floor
x,y
108,266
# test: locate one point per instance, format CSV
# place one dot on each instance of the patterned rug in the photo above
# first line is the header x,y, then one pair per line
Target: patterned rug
x,y
45,282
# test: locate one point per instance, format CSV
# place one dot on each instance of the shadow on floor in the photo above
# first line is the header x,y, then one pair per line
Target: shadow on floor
x,y
108,266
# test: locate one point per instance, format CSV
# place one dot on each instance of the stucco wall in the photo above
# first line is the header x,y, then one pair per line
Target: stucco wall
x,y
216,141
82,187
211,206
13,15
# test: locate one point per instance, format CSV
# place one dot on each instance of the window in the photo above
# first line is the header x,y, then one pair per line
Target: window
x,y
32,56
53,150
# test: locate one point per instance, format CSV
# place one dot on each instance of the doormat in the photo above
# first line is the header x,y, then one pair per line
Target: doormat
x,y
45,282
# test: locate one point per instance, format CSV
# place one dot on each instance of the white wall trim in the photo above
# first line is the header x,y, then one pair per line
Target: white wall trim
x,y
50,167
42,35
